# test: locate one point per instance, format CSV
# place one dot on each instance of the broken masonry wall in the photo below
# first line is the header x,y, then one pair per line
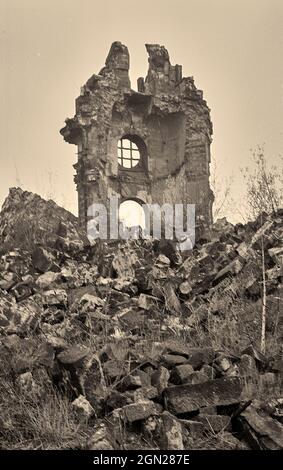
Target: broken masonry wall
x,y
167,119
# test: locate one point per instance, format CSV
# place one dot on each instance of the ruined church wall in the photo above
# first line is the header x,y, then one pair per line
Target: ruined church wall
x,y
168,119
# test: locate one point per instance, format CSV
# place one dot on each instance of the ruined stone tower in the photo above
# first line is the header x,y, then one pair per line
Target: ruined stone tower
x,y
150,145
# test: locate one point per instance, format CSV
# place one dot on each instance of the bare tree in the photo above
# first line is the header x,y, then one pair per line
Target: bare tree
x,y
263,309
264,185
264,194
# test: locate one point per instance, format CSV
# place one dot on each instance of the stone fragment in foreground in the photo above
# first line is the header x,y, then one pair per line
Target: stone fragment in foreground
x,y
160,378
73,355
130,382
55,297
200,356
261,432
172,360
101,439
43,260
187,398
82,407
171,432
181,373
194,428
139,411
47,279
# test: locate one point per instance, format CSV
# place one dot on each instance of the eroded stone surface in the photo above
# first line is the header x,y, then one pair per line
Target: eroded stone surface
x,y
187,398
262,432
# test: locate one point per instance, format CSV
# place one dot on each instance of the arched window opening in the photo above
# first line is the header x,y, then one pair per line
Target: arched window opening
x,y
128,153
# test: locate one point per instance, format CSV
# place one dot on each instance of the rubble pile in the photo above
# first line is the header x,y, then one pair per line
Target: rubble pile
x,y
154,348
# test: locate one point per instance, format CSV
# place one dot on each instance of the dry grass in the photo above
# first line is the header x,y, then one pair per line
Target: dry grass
x,y
29,423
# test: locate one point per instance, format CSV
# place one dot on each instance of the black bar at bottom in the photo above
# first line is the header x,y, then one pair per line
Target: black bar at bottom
x,y
126,459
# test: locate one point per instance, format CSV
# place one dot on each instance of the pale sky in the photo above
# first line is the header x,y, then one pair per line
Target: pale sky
x,y
49,48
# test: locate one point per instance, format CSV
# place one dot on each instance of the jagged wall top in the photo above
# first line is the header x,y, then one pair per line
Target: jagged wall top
x,y
118,62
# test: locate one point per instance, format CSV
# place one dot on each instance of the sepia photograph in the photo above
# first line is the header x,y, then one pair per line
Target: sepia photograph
x,y
141,232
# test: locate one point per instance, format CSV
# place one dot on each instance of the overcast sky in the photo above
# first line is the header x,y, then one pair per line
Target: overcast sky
x,y
49,48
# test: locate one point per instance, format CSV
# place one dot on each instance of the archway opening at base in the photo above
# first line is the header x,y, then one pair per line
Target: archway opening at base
x,y
131,214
